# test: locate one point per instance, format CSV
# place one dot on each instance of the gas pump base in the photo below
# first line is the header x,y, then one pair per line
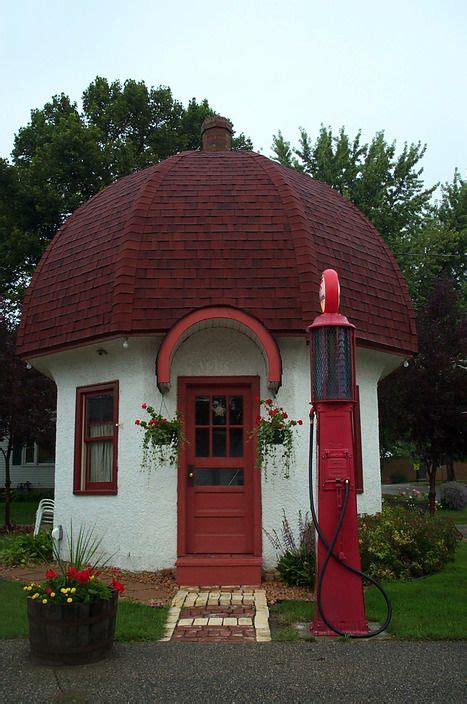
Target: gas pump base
x,y
353,628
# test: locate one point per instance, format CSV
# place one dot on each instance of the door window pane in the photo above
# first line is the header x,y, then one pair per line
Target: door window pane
x,y
219,410
202,410
236,442
236,410
218,477
219,442
202,442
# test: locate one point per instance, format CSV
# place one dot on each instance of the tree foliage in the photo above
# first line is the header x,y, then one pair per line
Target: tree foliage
x,y
387,187
425,403
64,156
27,404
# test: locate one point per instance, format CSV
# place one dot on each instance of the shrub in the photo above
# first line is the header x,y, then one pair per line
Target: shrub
x,y
296,556
26,547
453,496
401,544
398,478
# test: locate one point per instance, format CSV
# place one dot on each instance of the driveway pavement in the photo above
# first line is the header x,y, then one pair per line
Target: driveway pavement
x,y
198,673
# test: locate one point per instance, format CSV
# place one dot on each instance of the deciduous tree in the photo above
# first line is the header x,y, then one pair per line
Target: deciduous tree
x,y
27,404
385,185
64,156
426,402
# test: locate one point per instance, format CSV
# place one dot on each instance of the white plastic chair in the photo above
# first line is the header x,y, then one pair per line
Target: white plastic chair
x,y
44,514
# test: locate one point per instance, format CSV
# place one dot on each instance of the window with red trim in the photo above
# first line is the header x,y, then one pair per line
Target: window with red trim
x,y
96,439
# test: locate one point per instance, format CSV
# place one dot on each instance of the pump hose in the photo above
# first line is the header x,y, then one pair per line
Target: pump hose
x,y
330,553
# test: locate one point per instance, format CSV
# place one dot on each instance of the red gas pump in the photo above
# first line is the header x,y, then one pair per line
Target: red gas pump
x,y
339,591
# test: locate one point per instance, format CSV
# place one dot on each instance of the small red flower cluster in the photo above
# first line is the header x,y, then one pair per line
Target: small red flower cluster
x,y
277,416
81,576
118,586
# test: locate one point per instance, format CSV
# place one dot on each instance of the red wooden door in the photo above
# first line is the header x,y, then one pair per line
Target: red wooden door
x,y
218,467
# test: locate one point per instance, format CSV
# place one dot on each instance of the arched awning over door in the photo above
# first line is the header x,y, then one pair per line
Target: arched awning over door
x,y
219,316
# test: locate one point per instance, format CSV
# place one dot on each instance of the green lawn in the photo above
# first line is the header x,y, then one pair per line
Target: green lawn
x,y
22,512
431,608
455,516
134,621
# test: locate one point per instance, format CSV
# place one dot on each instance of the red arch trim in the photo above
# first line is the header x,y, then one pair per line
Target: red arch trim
x,y
173,337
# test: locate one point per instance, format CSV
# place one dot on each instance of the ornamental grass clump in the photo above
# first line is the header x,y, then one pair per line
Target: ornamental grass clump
x,y
76,580
162,438
275,434
398,544
295,555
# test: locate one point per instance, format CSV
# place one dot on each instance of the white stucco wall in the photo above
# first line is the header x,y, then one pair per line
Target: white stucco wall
x,y
139,524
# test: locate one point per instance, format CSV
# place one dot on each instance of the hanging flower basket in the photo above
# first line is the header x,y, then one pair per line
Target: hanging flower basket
x,y
275,435
162,438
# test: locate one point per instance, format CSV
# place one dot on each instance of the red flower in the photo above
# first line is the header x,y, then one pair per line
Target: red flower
x,y
271,412
284,415
258,420
51,574
137,421
268,401
72,573
144,405
118,586
84,576
300,422
48,590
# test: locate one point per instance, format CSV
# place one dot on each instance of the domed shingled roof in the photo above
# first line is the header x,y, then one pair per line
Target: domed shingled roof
x,y
212,228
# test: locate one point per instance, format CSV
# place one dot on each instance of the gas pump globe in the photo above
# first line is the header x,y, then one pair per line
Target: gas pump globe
x,y
339,592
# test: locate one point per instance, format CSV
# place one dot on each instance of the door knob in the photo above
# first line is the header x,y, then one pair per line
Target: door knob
x,y
191,475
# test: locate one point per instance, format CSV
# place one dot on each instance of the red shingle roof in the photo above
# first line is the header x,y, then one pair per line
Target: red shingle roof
x,y
212,228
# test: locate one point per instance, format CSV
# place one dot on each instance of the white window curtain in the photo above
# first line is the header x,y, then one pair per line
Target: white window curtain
x,y
100,453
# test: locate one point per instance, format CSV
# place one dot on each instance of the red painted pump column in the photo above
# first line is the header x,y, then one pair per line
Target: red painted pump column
x,y
332,345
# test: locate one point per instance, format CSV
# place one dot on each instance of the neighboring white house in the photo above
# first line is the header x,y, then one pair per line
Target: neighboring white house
x,y
31,467
189,286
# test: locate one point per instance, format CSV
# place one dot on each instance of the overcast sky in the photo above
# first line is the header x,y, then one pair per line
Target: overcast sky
x,y
400,66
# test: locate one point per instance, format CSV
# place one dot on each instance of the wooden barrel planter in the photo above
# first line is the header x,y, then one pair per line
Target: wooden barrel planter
x,y
72,634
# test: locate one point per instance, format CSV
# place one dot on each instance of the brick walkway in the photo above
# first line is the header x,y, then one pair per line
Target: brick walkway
x,y
218,614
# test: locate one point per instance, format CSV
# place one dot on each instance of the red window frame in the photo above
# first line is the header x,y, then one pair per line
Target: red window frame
x,y
87,487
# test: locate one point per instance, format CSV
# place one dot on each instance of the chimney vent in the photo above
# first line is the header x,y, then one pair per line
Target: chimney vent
x,y
216,132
